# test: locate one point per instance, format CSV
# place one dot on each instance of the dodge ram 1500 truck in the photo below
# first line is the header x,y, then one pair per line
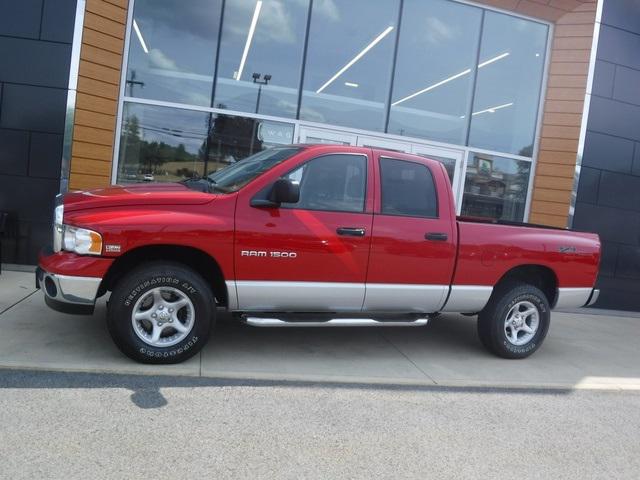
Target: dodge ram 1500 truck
x,y
307,235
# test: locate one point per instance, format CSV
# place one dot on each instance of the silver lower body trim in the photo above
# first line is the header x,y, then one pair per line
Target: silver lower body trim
x,y
70,289
384,297
467,298
334,322
572,297
267,296
232,295
262,296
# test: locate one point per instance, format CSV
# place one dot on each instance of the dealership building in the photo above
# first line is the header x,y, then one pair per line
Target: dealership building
x,y
533,106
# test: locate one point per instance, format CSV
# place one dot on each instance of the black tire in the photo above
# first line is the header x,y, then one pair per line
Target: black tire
x,y
133,287
491,321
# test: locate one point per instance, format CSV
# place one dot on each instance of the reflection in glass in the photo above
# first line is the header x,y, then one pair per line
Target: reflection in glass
x,y
350,53
264,37
172,50
168,144
507,91
449,164
432,83
496,187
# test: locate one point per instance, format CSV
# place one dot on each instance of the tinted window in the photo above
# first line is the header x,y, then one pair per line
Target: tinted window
x,y
271,49
433,77
349,57
508,89
407,189
331,182
172,50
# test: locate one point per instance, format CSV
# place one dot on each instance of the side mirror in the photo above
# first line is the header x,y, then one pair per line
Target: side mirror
x,y
284,191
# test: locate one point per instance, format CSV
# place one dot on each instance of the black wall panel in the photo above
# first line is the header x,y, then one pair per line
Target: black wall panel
x,y
35,53
608,197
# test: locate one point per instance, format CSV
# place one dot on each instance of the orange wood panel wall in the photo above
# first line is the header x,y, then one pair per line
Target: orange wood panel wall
x,y
97,95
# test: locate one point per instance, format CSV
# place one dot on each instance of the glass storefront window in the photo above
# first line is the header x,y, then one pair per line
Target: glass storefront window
x,y
496,187
265,38
349,60
433,77
165,144
508,90
172,50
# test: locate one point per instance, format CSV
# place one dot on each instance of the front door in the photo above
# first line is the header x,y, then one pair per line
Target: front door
x,y
413,244
311,255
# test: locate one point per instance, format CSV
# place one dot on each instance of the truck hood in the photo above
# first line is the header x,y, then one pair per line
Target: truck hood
x,y
136,194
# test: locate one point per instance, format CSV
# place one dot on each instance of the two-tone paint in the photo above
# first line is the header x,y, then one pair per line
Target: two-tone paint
x,y
400,264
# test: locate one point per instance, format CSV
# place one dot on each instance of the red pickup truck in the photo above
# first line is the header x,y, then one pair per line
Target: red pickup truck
x,y
307,235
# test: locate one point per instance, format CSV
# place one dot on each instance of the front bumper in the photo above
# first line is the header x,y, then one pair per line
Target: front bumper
x,y
68,294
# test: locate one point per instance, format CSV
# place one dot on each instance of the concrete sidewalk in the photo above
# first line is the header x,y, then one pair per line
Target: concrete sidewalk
x,y
581,351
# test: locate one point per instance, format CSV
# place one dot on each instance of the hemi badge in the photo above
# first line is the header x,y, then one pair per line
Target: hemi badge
x,y
112,248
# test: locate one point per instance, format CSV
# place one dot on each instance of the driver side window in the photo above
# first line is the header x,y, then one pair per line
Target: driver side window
x,y
331,182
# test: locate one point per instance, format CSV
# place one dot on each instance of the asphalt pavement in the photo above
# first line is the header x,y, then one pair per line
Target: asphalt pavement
x,y
99,426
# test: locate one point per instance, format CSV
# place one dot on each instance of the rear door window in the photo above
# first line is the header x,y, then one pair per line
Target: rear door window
x,y
407,189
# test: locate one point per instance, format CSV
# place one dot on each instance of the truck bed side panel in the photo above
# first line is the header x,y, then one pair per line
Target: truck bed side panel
x,y
489,251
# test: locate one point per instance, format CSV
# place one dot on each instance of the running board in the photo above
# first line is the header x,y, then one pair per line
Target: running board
x,y
333,322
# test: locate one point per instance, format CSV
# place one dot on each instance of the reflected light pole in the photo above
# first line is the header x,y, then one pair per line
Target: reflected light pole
x,y
264,81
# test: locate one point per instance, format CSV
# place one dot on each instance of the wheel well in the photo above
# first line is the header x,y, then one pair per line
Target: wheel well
x,y
541,277
194,258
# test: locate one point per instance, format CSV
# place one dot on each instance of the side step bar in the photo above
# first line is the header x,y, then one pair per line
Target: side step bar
x,y
333,322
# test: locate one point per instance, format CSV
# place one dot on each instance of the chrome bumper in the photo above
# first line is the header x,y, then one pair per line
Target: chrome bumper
x,y
593,298
66,293
576,297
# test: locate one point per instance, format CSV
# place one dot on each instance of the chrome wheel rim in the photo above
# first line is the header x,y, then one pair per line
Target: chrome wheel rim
x,y
163,316
522,323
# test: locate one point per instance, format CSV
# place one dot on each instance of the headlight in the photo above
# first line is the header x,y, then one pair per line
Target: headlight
x,y
81,240
58,228
74,239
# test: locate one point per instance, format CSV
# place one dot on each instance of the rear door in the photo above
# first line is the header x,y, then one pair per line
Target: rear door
x,y
413,243
312,255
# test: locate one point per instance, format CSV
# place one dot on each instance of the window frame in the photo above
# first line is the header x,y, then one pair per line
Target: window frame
x,y
435,189
366,178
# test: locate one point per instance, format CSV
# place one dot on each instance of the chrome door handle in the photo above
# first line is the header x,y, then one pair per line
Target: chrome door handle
x,y
351,231
436,237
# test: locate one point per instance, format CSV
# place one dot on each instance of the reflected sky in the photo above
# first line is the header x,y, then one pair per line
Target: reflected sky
x,y
438,40
347,73
172,53
274,47
507,92
349,63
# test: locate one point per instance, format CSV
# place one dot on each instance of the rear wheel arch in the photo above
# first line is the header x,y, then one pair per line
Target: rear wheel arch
x,y
196,259
539,276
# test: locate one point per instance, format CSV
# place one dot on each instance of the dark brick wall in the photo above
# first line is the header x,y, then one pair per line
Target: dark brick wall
x,y
608,197
35,52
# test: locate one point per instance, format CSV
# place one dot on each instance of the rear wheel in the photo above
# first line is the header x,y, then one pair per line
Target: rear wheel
x,y
515,322
161,313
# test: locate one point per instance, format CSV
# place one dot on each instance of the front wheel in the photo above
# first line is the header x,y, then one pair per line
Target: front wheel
x,y
161,313
515,321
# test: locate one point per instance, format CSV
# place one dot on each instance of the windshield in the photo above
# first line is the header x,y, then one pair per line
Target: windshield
x,y
237,175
